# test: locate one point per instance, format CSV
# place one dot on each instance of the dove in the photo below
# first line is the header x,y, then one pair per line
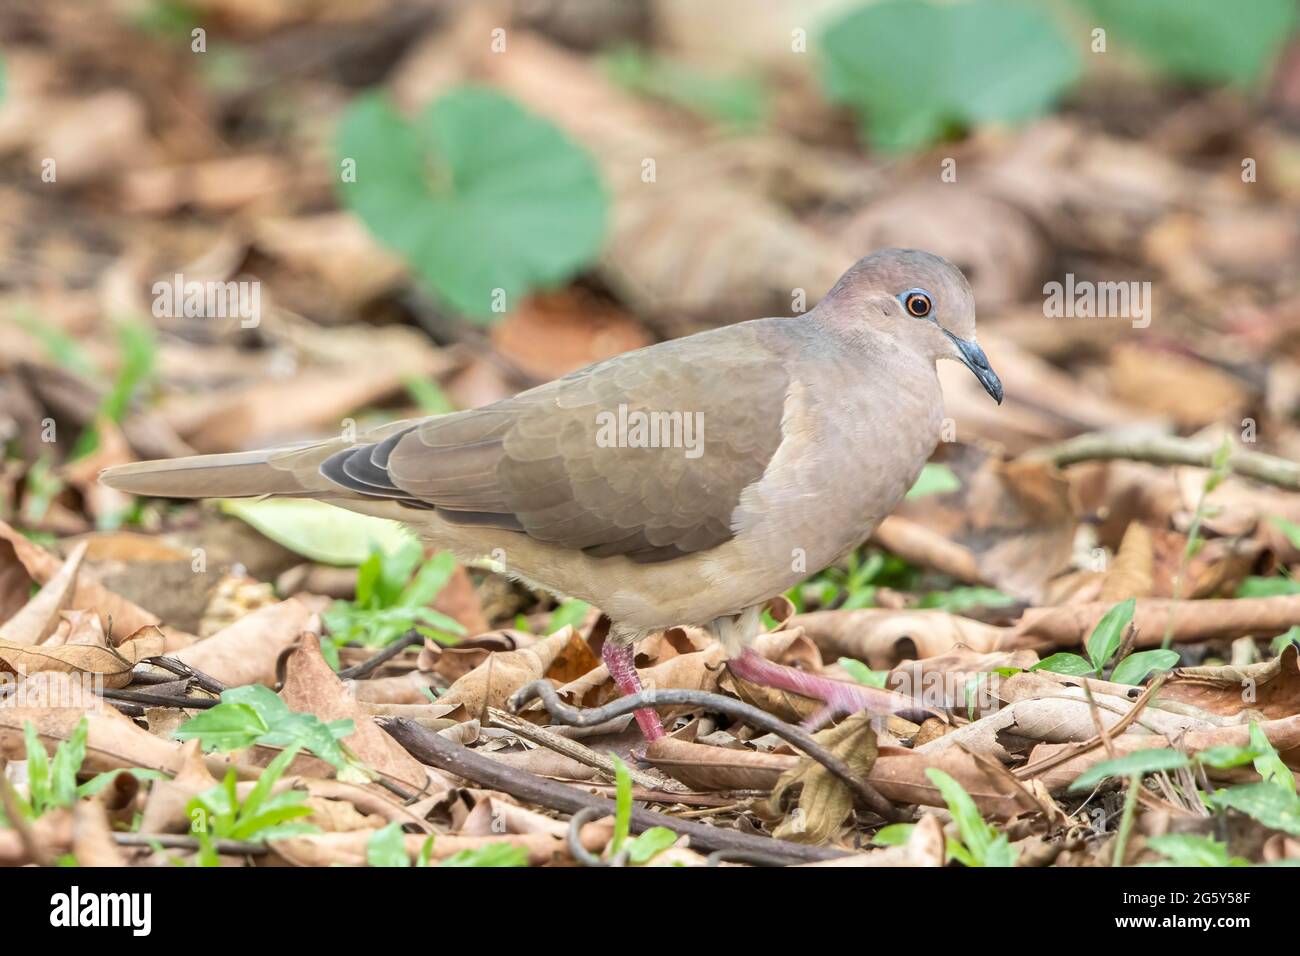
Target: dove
x,y
685,483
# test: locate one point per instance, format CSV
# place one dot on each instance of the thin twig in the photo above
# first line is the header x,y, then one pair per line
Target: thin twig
x,y
569,748
441,752
369,666
590,717
1170,450
174,841
181,669
158,700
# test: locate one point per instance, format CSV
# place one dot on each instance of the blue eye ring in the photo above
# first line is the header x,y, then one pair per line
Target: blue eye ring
x,y
917,303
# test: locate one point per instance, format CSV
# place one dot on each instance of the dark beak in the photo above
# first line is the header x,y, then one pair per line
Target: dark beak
x,y
973,358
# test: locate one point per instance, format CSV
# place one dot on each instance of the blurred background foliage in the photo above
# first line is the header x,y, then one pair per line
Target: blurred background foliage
x,y
443,203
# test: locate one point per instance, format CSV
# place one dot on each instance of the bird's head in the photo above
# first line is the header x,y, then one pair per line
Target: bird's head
x,y
919,299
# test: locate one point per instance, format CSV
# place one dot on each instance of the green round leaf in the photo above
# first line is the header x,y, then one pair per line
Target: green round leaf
x,y
476,194
914,69
1207,40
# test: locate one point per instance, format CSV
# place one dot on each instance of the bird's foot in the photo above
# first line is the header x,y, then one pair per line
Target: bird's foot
x,y
620,660
839,697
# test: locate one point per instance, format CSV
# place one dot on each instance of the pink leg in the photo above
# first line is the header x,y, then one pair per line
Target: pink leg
x,y
619,658
840,697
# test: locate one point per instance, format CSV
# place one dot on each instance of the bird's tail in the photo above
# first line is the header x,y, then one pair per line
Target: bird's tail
x,y
235,475
284,470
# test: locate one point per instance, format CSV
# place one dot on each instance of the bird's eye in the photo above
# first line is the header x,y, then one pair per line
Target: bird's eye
x,y
917,303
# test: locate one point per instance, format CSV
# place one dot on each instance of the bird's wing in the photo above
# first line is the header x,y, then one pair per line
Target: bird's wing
x,y
561,462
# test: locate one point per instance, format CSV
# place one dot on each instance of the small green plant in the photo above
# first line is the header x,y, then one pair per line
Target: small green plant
x,y
1187,849
53,783
647,844
863,674
485,200
41,486
139,352
986,61
957,600
934,479
218,814
387,847
1272,801
254,714
853,586
1102,646
980,844
569,613
1202,40
493,855
393,595
895,834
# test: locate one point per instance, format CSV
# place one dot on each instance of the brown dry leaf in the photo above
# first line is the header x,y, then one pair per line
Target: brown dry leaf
x,y
45,689
51,831
340,816
1184,389
92,836
824,801
165,808
991,241
336,248
246,651
112,665
1008,734
503,673
1013,518
952,672
406,689
1223,619
705,768
548,763
1130,575
789,646
927,846
884,638
1282,734
927,548
459,600
264,411
311,686
1271,687
113,742
699,670
40,616
553,333
78,627
41,566
900,777
452,663
1218,566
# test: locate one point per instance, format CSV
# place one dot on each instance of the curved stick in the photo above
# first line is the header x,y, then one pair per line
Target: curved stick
x,y
590,717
